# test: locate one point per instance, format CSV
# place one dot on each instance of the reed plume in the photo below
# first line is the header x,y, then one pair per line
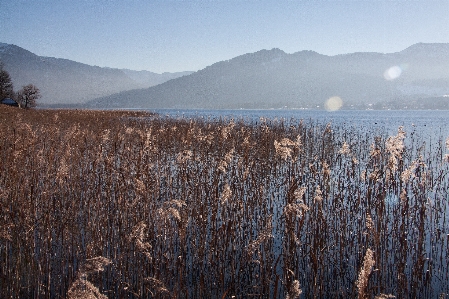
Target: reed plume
x,y
82,288
294,290
364,274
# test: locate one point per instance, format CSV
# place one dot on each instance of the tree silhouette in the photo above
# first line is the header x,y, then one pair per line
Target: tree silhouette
x,y
27,96
6,87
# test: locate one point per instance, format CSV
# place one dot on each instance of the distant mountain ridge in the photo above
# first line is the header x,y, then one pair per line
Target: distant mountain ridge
x,y
147,79
67,82
416,77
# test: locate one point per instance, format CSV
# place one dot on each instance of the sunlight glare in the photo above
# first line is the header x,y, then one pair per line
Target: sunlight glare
x,y
392,73
333,103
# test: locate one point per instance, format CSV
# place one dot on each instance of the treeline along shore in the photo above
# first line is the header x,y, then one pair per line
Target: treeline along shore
x,y
127,204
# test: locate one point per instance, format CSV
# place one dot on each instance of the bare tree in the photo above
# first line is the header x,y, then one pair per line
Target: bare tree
x,y
6,87
28,95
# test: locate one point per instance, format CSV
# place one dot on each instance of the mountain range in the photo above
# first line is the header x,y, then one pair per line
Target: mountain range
x,y
66,82
417,77
414,78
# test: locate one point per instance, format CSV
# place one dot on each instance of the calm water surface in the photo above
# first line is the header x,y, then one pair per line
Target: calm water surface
x,y
423,122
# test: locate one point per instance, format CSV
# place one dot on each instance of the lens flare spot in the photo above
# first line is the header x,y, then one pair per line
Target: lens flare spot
x,y
333,104
393,73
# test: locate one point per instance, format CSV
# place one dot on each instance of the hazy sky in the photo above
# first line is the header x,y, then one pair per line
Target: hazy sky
x,y
175,35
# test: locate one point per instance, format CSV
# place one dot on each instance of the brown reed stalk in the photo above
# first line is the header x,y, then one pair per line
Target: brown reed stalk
x,y
201,208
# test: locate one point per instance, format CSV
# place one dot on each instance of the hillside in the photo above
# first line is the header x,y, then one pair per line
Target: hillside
x,y
63,81
306,79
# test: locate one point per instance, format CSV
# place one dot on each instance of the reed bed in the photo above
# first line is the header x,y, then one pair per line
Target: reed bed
x,y
99,204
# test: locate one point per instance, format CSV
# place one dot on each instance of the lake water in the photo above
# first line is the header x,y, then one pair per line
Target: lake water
x,y
424,122
348,195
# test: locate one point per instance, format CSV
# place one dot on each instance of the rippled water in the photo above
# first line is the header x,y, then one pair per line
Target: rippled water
x,y
425,122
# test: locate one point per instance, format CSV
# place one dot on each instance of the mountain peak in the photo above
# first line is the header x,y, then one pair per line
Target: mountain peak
x,y
261,56
10,49
5,48
426,48
274,51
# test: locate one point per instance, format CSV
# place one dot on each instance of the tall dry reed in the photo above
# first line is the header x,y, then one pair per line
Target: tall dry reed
x,y
218,208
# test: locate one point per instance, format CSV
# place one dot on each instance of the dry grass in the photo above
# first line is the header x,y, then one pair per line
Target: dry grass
x,y
128,205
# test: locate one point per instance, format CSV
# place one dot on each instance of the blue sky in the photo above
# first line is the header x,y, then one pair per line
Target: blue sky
x,y
175,35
